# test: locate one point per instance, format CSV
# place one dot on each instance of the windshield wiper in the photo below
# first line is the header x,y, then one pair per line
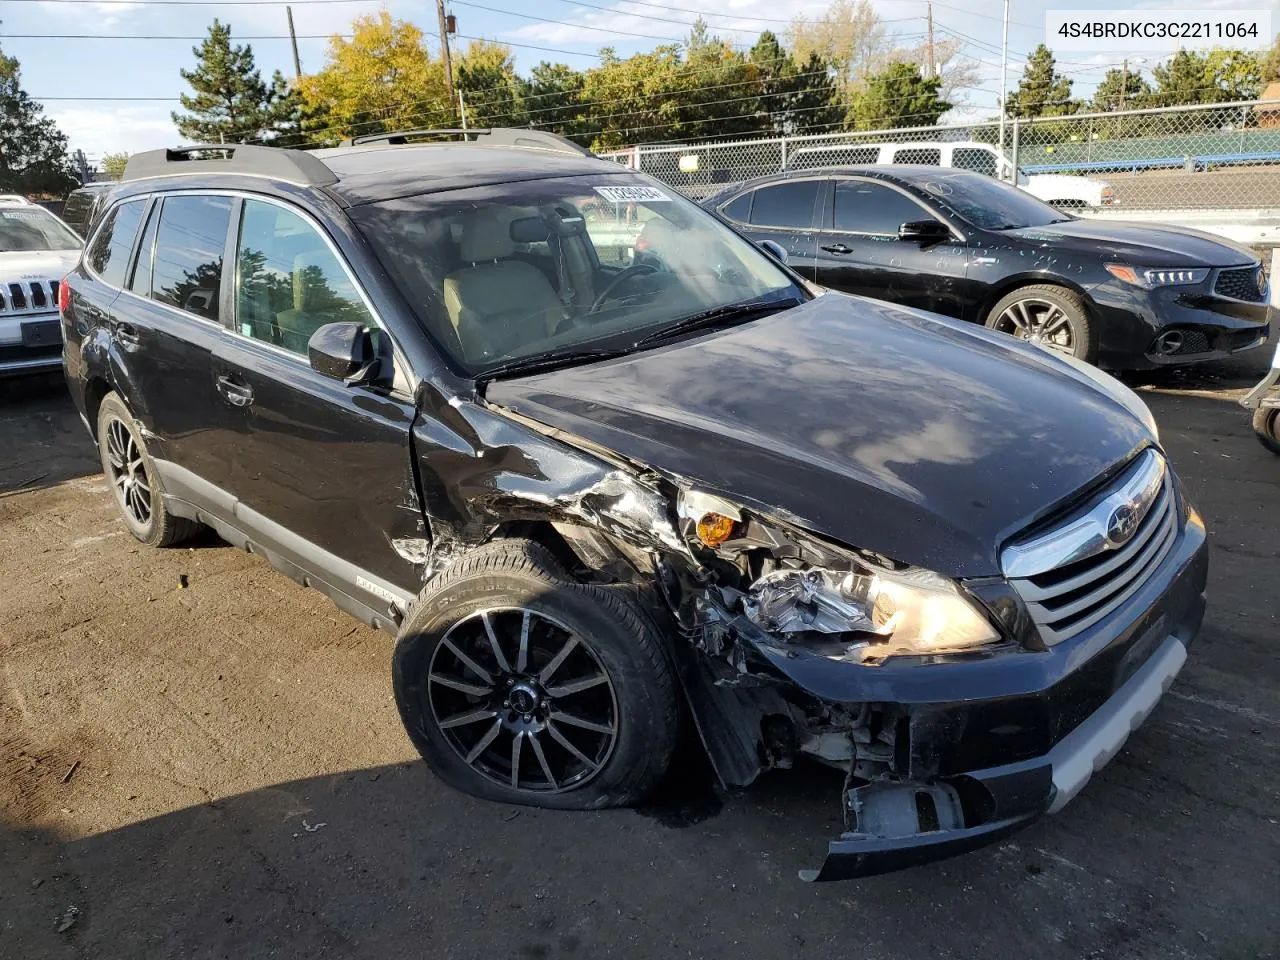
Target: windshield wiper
x,y
545,361
743,311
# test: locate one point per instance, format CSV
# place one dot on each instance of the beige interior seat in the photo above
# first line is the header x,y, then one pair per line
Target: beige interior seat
x,y
496,303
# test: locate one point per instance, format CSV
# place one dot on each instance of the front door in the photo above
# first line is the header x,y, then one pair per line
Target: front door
x,y
320,469
858,250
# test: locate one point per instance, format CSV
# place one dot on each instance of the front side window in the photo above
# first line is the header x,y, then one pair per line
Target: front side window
x,y
109,257
188,257
30,227
562,268
865,207
789,204
289,284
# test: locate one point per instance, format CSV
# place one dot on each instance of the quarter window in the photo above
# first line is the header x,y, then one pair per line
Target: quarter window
x,y
289,284
739,209
190,240
789,204
111,248
865,207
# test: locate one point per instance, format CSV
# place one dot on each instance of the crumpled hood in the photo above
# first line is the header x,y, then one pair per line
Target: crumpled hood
x,y
1139,244
37,265
922,438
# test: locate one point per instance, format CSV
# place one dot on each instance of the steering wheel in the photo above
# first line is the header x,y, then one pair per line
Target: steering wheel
x,y
630,273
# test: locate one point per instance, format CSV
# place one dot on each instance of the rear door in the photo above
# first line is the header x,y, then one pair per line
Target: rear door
x,y
859,251
321,470
787,213
166,323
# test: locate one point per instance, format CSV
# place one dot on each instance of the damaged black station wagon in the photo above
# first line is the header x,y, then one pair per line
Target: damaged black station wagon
x,y
602,465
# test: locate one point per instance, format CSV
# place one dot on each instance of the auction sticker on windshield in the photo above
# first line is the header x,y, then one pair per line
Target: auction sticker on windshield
x,y
632,194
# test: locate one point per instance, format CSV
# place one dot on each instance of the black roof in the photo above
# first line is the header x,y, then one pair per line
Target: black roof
x,y
911,173
386,166
370,173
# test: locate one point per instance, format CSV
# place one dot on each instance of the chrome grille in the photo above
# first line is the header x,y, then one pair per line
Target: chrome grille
x,y
1242,283
1094,576
30,296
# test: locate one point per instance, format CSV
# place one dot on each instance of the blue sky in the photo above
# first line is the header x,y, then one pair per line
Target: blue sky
x,y
62,71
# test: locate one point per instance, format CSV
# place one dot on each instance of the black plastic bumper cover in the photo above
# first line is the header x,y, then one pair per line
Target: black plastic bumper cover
x,y
1021,792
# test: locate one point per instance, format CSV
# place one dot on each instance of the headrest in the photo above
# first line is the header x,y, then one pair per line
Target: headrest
x,y
529,230
486,235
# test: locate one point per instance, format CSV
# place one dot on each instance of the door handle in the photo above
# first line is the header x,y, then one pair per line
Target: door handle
x,y
238,394
837,248
126,334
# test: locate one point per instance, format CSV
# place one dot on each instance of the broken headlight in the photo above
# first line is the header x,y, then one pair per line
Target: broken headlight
x,y
850,604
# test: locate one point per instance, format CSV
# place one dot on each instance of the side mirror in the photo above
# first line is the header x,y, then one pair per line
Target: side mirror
x,y
775,250
346,352
924,231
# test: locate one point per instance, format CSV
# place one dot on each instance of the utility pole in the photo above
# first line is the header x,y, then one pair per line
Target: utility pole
x,y
1004,69
462,112
1124,80
933,70
444,50
293,39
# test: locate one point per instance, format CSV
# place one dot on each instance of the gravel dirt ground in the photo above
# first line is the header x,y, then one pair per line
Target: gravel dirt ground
x,y
217,770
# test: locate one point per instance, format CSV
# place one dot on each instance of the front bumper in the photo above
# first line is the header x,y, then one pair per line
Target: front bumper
x,y
1019,792
1173,326
30,344
1028,732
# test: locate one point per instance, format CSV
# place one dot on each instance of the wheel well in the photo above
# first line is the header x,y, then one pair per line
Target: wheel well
x,y
1003,291
544,533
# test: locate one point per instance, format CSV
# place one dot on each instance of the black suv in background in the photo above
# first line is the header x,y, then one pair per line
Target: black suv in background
x,y
582,477
85,203
1121,295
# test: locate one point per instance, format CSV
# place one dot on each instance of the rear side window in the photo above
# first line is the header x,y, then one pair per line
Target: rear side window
x,y
188,260
929,156
109,257
865,207
141,282
972,158
289,284
788,204
76,211
739,209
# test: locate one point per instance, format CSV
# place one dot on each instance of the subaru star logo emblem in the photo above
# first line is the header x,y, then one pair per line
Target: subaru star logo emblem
x,y
1121,524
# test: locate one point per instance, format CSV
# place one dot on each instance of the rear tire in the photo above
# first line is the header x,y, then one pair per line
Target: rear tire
x,y
483,683
1047,315
133,480
1266,427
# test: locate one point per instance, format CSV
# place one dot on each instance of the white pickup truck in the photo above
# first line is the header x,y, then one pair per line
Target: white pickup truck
x,y
1056,189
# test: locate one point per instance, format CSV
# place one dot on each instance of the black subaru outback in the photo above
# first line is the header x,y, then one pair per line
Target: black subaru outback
x,y
601,464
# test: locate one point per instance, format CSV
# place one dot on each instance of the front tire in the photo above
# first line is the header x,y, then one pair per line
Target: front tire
x,y
1266,427
132,478
520,685
1049,316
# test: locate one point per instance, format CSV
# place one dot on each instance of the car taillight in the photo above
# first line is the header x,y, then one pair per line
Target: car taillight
x,y
64,296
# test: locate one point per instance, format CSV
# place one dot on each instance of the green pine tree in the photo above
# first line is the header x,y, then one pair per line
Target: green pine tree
x,y
33,151
1042,91
232,103
898,96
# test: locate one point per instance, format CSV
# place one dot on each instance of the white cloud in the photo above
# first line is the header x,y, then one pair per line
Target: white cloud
x,y
101,128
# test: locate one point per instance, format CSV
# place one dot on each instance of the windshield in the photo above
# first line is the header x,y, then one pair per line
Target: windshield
x,y
33,228
986,203
509,272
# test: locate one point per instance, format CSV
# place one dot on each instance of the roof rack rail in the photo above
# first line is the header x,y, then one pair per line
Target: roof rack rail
x,y
292,166
497,136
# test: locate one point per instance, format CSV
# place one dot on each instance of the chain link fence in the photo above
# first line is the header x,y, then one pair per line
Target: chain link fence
x,y
1210,157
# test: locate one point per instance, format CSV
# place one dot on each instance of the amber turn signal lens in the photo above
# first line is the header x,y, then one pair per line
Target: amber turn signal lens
x,y
714,529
